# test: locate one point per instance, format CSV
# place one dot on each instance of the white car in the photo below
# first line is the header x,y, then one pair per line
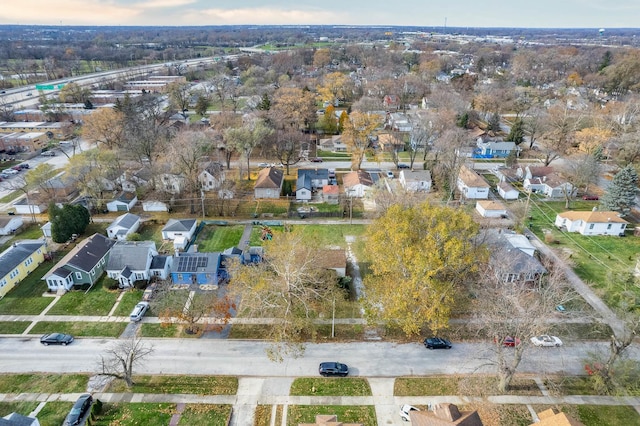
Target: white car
x,y
139,311
546,340
10,172
405,410
390,174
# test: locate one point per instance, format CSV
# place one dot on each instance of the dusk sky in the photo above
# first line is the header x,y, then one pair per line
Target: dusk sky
x,y
458,13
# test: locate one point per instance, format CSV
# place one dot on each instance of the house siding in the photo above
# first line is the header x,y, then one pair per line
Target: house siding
x,y
21,271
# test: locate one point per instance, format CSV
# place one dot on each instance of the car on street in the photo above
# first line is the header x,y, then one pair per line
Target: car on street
x,y
405,410
403,166
4,175
48,154
316,160
436,343
56,339
138,311
10,172
327,369
79,411
263,165
546,340
510,342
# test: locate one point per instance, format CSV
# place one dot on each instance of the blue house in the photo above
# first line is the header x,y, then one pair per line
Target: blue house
x,y
196,269
493,149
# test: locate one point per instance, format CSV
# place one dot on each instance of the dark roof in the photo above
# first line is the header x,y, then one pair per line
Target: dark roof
x,y
15,419
86,255
314,173
62,272
125,197
269,177
17,254
304,181
179,225
196,262
126,220
158,262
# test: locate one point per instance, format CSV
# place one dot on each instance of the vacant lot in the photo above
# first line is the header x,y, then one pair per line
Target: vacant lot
x,y
198,385
44,383
460,385
135,414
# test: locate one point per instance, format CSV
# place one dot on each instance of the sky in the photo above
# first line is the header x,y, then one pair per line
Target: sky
x,y
428,13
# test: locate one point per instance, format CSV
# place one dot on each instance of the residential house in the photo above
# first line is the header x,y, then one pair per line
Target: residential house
x,y
269,183
553,417
318,177
399,122
10,224
176,228
415,180
33,204
163,179
123,226
18,261
513,257
507,192
544,180
60,188
331,194
16,419
489,208
445,414
357,183
83,265
390,142
333,144
391,102
333,259
471,184
304,190
592,222
494,149
196,269
160,267
123,202
212,177
130,262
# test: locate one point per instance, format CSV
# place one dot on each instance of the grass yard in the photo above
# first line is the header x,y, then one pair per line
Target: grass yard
x,y
197,385
161,330
461,385
81,329
29,231
135,414
54,413
205,415
26,298
365,414
150,231
214,238
330,386
43,383
597,258
128,302
22,407
13,327
97,301
327,235
262,415
598,415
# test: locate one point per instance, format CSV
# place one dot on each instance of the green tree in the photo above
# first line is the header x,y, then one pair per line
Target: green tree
x,y
516,134
620,196
494,123
265,102
328,122
67,220
420,257
202,105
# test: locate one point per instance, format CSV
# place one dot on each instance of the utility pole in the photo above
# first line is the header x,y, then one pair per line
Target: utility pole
x,y
202,199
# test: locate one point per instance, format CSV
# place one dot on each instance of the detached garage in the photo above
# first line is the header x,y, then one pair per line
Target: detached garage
x,y
124,202
488,208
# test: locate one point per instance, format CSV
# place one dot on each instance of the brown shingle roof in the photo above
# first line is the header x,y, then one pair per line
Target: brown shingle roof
x,y
551,417
593,216
269,177
358,177
471,178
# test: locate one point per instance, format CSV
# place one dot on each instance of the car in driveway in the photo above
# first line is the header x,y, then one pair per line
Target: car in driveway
x,y
405,410
546,340
509,341
436,343
56,339
138,311
328,369
80,410
389,174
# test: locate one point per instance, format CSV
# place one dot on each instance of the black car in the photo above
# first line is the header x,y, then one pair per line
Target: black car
x,y
333,369
79,411
56,339
403,166
437,343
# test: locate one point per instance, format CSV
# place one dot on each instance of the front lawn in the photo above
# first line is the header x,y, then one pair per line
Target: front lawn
x,y
205,415
218,238
13,327
81,329
26,298
135,414
461,385
97,301
54,413
334,386
365,414
197,385
598,415
43,383
128,302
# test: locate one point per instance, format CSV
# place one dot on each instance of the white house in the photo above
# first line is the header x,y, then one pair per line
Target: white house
x,y
415,180
269,183
357,183
488,208
491,149
544,180
160,267
176,228
9,224
303,188
507,192
592,222
123,226
123,202
211,177
472,185
130,261
33,206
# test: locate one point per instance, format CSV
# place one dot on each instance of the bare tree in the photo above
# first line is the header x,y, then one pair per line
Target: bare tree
x,y
121,359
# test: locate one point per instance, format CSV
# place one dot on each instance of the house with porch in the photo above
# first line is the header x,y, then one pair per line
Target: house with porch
x,y
82,266
130,262
212,177
494,149
592,222
18,261
123,226
357,183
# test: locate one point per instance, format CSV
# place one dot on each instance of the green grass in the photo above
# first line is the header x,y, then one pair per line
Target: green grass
x,y
457,385
218,238
160,330
327,235
135,414
151,232
197,385
22,407
43,383
98,301
598,415
128,302
570,385
365,414
333,386
13,327
205,415
26,298
54,413
10,196
81,329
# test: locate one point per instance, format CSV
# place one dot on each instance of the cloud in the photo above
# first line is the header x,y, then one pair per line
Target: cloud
x,y
157,4
263,16
68,12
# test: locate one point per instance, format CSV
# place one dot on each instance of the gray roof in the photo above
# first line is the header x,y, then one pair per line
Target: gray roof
x,y
314,173
125,197
179,225
16,419
125,221
16,254
86,255
304,181
133,254
158,262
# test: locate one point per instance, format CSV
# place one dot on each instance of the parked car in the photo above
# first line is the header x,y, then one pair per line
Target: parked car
x,y
333,369
138,311
263,164
316,160
405,410
48,154
546,340
24,166
390,174
509,341
437,343
4,175
79,411
10,172
17,168
56,339
403,166
590,197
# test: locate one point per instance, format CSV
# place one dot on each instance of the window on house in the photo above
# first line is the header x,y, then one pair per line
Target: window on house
x,y
79,275
591,226
3,282
179,277
609,226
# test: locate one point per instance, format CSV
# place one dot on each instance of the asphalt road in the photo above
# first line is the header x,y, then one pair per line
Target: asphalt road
x,y
248,358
